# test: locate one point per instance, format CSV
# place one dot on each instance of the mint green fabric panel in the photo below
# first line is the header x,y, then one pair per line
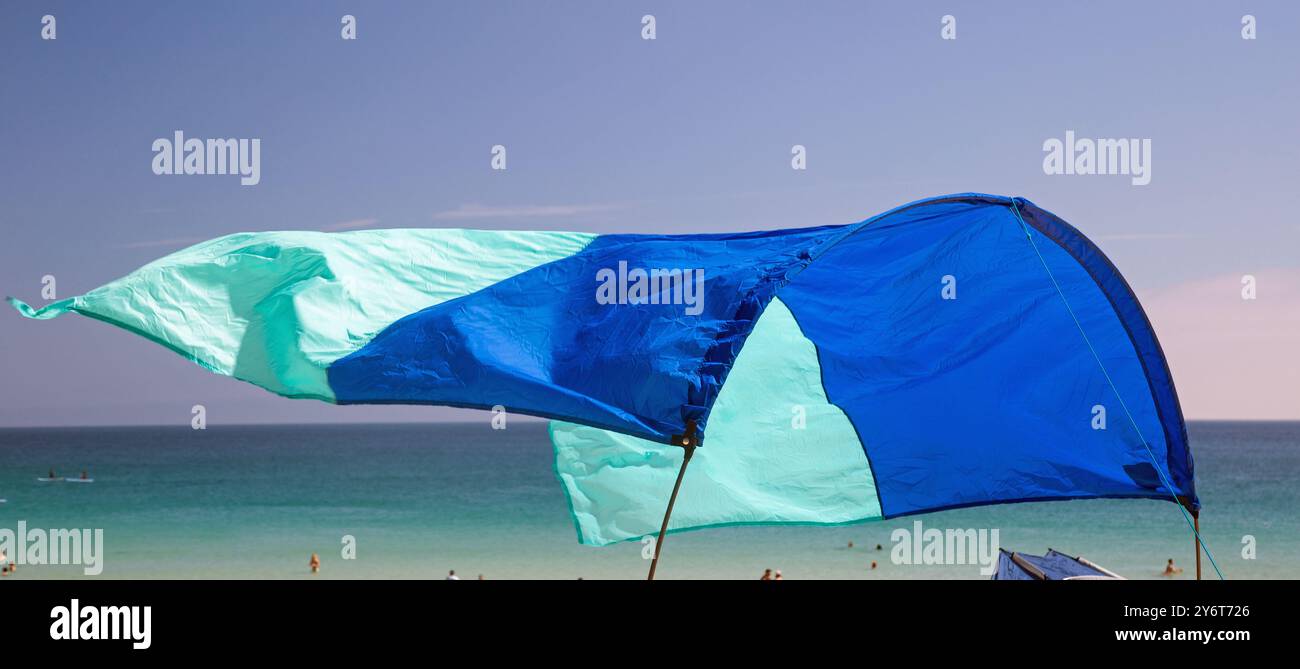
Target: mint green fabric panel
x,y
276,308
756,466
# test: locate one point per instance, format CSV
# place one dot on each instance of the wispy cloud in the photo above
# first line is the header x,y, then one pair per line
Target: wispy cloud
x,y
477,211
355,224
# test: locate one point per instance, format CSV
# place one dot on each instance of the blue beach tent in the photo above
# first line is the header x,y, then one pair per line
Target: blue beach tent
x,y
951,352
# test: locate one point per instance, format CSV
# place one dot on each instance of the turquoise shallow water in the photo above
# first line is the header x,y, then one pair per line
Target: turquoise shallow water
x,y
256,501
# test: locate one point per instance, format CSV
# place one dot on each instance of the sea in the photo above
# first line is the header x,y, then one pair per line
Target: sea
x,y
417,501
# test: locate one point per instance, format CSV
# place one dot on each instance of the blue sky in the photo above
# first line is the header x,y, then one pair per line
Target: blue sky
x,y
606,132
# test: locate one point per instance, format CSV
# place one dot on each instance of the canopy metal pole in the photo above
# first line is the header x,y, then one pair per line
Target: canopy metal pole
x,y
687,442
1196,530
1196,525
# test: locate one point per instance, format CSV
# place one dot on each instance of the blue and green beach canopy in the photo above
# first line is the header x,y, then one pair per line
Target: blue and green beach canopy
x,y
951,352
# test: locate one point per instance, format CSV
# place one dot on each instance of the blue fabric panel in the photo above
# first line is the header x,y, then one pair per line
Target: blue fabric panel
x,y
540,342
1143,337
989,397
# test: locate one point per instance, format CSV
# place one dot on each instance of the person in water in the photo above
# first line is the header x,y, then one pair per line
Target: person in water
x,y
767,575
1170,569
314,563
451,576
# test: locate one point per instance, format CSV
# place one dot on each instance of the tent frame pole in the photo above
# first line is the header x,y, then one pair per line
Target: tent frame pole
x,y
1196,525
688,442
1196,530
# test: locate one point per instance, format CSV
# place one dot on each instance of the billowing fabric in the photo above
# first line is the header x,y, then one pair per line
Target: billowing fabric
x,y
778,452
277,308
542,343
934,350
990,395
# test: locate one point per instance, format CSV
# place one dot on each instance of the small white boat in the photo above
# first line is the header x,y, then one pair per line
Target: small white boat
x,y
47,479
71,480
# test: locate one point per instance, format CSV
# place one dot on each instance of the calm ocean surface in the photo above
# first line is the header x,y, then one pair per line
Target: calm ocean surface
x,y
256,501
